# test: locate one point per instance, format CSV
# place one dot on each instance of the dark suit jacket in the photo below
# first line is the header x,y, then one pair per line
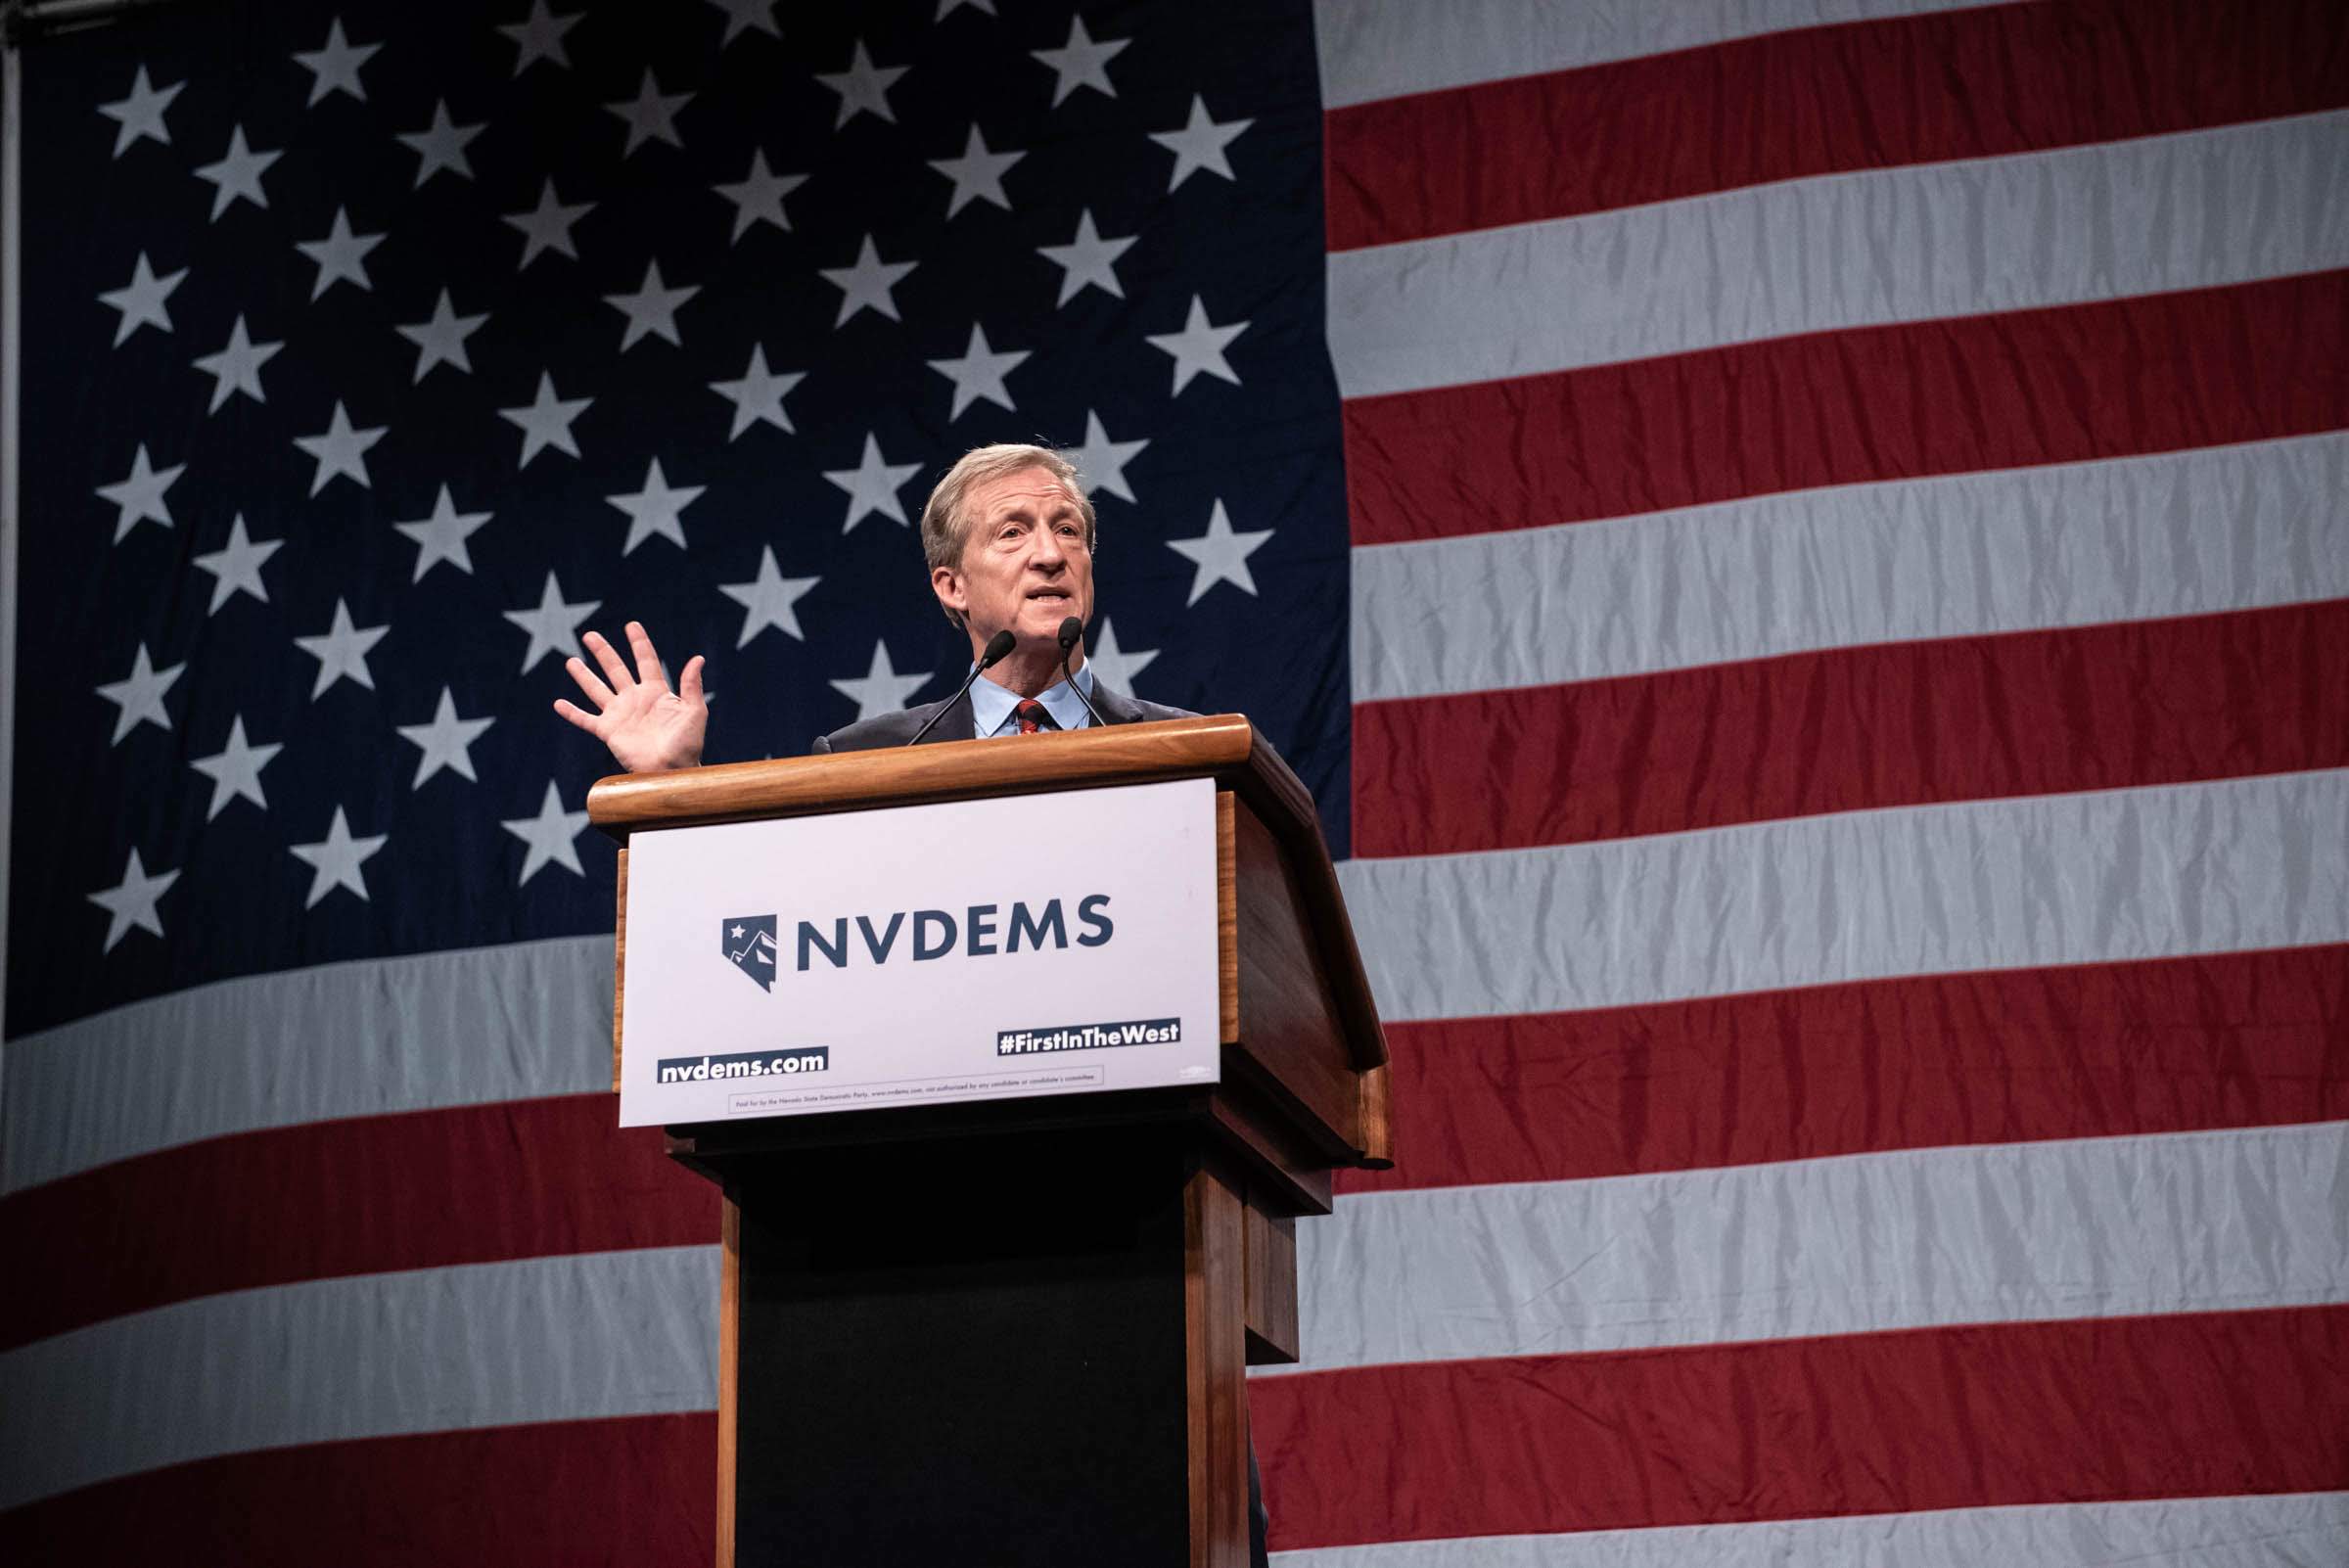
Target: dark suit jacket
x,y
895,730
958,723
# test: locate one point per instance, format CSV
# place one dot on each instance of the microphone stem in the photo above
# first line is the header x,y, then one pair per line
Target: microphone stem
x,y
1070,675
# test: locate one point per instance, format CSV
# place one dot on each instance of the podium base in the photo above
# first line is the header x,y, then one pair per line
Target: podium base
x,y
968,1351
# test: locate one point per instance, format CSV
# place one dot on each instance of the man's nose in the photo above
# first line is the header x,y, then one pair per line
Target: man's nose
x,y
1049,555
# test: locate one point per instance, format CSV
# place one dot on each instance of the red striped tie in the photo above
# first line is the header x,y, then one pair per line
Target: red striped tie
x,y
1034,717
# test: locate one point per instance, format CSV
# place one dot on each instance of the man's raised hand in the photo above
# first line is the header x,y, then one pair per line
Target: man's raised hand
x,y
650,729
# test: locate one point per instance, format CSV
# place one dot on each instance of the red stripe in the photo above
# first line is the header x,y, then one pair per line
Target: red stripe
x,y
1916,724
2201,368
1879,94
473,1184
639,1490
2205,1405
2096,1050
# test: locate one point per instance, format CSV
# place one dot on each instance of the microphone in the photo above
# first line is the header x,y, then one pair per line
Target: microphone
x,y
1070,630
998,647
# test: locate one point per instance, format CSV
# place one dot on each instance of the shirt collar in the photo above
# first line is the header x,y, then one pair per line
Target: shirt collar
x,y
991,705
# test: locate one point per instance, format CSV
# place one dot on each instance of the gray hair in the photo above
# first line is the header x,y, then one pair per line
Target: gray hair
x,y
947,530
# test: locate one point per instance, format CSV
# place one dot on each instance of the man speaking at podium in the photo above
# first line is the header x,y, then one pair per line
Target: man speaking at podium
x,y
1009,538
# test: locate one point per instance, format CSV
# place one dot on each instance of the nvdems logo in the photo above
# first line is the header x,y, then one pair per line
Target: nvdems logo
x,y
749,941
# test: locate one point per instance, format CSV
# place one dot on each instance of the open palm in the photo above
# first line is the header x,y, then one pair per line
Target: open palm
x,y
649,727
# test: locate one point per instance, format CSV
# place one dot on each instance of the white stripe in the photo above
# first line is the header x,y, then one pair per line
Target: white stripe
x,y
543,1339
2043,880
1374,49
2232,528
461,1028
1919,1238
2305,1530
1909,243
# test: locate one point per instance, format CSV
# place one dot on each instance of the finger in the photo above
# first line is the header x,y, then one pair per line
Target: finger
x,y
606,657
597,692
648,662
577,716
689,685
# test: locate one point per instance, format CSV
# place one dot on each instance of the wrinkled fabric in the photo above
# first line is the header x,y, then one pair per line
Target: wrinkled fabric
x,y
2165,213
587,1336
2121,874
1921,1239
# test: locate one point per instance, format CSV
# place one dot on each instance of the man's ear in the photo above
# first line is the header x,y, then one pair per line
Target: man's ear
x,y
947,583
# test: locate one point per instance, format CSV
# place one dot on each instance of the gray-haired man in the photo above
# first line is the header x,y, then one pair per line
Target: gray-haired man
x,y
1008,535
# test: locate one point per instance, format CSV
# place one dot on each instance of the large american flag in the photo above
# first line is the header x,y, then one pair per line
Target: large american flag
x,y
1802,544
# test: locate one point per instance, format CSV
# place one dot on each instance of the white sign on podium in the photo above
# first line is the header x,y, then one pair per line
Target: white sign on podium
x,y
967,951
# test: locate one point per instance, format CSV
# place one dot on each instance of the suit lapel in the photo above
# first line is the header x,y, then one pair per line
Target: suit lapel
x,y
959,724
1115,707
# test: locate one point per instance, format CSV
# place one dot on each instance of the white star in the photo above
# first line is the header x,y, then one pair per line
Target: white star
x,y
546,421
554,627
1200,143
652,309
1085,260
742,15
335,859
237,368
237,174
340,450
758,197
652,116
872,485
236,769
440,146
863,87
440,340
979,371
549,835
759,396
342,651
540,37
768,599
140,498
945,8
141,113
883,690
444,741
1220,555
1112,665
547,227
653,510
140,695
1198,349
1081,61
977,174
443,535
341,255
334,66
236,567
131,901
867,282
1101,462
141,299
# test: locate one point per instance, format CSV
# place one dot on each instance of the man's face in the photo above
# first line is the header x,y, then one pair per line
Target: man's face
x,y
1025,563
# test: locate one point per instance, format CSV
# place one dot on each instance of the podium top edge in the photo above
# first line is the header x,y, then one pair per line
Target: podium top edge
x,y
905,776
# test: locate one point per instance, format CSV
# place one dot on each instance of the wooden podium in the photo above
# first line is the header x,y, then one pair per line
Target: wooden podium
x,y
1017,1332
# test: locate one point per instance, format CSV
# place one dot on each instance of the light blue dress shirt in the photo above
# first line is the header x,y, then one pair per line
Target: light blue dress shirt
x,y
993,707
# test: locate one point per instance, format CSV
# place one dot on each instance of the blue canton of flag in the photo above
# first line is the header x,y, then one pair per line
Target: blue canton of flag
x,y
373,370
